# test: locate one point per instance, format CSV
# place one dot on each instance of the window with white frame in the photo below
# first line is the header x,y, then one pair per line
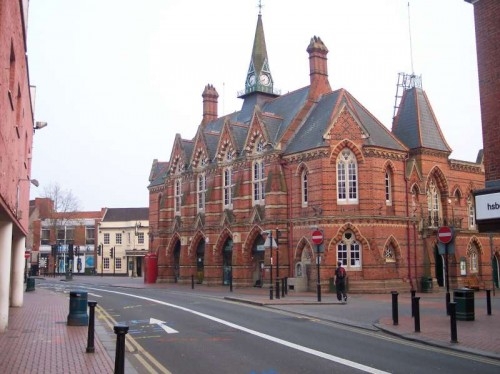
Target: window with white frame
x,y
389,253
202,191
118,238
349,251
45,239
177,196
305,191
106,238
259,182
347,178
471,216
433,205
388,187
473,256
89,235
118,263
140,238
228,187
106,262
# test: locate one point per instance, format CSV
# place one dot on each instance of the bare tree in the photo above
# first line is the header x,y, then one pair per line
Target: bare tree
x,y
64,200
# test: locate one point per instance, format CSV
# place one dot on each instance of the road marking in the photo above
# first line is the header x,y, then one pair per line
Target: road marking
x,y
168,330
298,347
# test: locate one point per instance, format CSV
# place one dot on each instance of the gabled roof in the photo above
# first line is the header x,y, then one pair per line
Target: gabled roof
x,y
415,124
126,214
310,134
158,173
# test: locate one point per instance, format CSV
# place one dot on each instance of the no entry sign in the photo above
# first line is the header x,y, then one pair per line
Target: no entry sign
x,y
317,237
445,234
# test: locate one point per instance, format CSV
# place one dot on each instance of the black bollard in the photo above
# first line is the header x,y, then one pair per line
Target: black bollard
x,y
120,332
447,303
417,314
90,335
395,318
413,292
488,302
453,321
231,283
192,281
283,287
286,285
277,289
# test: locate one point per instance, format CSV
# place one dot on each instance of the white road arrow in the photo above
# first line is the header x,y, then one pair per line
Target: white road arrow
x,y
168,330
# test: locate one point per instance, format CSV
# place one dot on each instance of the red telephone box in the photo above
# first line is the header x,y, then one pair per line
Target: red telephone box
x,y
150,268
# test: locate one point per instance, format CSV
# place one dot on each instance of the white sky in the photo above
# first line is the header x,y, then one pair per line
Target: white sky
x,y
117,79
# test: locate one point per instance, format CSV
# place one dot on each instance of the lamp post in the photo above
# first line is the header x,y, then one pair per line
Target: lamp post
x,y
266,234
277,265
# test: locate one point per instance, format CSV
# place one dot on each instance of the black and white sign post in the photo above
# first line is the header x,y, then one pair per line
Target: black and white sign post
x,y
445,236
317,238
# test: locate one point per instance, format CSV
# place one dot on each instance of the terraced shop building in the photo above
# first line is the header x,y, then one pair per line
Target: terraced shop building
x,y
315,158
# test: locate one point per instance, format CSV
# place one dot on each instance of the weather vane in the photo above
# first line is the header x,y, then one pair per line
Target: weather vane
x,y
260,6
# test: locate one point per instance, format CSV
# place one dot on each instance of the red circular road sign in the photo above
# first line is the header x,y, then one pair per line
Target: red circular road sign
x,y
317,237
26,255
445,234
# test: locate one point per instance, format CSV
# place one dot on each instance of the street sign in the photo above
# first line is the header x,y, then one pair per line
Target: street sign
x,y
26,255
445,234
317,237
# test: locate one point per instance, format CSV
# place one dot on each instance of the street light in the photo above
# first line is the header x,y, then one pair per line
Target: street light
x,y
34,182
268,235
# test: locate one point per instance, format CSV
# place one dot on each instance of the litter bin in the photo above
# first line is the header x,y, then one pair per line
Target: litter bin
x,y
30,284
426,284
464,299
78,309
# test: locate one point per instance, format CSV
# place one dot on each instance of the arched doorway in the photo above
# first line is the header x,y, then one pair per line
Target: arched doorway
x,y
200,261
177,256
227,261
258,252
439,267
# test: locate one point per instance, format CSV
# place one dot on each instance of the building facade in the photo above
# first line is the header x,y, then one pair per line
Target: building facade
x,y
62,242
16,139
123,237
316,159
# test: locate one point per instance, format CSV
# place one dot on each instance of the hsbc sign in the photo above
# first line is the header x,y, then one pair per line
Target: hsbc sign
x,y
487,206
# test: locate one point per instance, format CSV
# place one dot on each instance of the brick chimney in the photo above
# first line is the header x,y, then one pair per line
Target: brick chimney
x,y
318,68
210,97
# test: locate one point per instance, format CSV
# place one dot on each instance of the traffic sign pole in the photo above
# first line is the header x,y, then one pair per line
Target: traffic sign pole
x,y
317,238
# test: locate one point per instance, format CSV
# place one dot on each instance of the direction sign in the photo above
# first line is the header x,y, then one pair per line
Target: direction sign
x,y
317,237
445,234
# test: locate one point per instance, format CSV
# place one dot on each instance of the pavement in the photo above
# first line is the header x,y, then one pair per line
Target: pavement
x,y
38,339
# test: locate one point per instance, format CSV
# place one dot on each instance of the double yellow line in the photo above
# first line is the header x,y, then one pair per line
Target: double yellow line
x,y
150,364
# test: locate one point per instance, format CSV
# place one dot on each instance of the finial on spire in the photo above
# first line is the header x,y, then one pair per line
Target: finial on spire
x,y
260,7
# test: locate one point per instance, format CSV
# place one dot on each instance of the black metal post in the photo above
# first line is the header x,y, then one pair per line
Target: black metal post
x,y
271,267
231,281
120,331
413,292
447,279
453,322
488,302
283,292
395,317
417,314
90,335
277,265
318,286
278,293
286,285
192,281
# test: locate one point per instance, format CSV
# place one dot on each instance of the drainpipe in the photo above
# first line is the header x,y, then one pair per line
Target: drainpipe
x,y
408,225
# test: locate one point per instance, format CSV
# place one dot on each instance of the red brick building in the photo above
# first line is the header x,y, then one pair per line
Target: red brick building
x,y
315,158
16,139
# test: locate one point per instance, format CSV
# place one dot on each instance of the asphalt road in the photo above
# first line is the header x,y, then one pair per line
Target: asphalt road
x,y
177,332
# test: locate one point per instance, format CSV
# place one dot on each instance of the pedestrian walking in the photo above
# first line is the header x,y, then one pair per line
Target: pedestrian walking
x,y
340,279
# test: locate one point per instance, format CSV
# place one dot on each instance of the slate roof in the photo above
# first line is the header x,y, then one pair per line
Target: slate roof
x,y
158,173
126,214
415,124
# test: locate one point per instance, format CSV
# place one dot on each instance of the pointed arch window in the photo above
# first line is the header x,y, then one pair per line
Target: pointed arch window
x,y
433,205
259,177
305,187
473,259
349,251
202,191
347,178
388,187
471,215
177,196
227,183
389,253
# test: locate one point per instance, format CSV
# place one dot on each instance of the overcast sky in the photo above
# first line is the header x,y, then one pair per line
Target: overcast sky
x,y
117,79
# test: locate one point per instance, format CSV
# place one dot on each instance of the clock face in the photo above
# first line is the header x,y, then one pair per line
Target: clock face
x,y
251,80
264,79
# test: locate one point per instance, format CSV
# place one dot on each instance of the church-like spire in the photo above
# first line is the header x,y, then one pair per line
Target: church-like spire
x,y
259,78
